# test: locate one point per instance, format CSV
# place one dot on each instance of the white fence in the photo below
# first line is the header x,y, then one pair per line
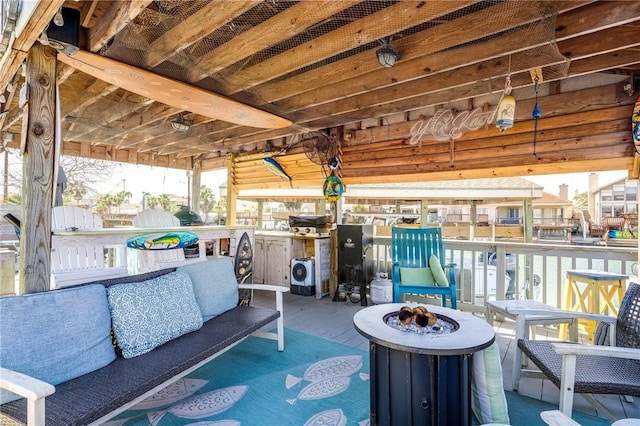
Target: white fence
x,y
499,270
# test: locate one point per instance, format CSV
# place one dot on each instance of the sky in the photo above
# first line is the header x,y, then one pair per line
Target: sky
x,y
158,180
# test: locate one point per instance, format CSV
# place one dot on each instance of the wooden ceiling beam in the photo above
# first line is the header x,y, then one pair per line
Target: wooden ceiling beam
x,y
608,43
114,20
289,23
419,45
191,30
376,26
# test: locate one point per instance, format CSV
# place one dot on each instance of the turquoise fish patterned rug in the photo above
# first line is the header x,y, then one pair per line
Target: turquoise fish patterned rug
x,y
313,382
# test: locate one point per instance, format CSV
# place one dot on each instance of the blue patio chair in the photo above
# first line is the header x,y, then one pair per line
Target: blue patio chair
x,y
415,270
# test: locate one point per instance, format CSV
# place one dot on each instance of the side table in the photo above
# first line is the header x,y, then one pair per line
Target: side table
x,y
593,292
516,310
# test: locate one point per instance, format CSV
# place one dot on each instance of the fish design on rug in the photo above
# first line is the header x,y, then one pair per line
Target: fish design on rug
x,y
173,393
323,389
366,422
328,368
333,417
204,405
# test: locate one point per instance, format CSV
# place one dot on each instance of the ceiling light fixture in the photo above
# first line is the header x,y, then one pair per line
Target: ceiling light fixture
x,y
58,19
180,124
387,55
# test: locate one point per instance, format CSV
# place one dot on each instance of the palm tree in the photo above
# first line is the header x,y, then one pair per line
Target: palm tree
x,y
121,197
164,201
104,204
152,202
207,201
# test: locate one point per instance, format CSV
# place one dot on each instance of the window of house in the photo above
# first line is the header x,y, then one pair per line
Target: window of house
x,y
606,195
631,190
513,212
618,192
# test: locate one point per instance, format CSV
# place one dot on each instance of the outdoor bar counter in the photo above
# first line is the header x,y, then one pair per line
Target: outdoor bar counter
x,y
421,378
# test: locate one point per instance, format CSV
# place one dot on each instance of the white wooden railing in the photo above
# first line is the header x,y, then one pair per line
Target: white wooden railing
x,y
536,271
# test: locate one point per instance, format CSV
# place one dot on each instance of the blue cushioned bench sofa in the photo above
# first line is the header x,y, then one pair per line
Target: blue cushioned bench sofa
x,y
83,354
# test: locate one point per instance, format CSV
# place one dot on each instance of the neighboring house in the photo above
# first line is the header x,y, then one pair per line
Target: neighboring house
x,y
614,199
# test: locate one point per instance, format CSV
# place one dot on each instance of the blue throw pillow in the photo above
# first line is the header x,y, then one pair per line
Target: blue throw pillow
x,y
214,284
416,276
55,336
149,313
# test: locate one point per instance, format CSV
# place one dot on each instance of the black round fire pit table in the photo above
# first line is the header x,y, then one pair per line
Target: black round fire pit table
x,y
421,379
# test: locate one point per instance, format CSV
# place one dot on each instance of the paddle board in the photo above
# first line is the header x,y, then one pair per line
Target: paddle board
x,y
243,266
172,92
635,125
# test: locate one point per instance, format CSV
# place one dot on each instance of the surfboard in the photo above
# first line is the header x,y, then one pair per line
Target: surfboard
x,y
635,125
243,266
172,92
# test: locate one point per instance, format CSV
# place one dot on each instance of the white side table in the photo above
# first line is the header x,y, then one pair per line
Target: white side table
x,y
526,322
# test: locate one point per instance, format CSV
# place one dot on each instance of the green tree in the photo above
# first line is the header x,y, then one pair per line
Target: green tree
x,y
103,205
293,206
164,202
207,200
152,202
581,201
121,197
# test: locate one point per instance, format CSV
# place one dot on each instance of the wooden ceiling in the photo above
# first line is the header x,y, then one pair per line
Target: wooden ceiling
x,y
314,63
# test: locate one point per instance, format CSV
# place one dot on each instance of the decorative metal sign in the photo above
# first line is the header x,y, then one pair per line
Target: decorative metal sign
x,y
448,124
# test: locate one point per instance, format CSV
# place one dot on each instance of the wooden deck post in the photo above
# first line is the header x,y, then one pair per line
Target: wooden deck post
x,y
39,159
232,192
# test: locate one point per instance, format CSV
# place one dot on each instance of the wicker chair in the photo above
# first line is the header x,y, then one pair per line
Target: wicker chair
x,y
595,369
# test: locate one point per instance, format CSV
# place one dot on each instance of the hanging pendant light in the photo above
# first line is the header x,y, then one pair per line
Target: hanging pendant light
x,y
506,113
387,55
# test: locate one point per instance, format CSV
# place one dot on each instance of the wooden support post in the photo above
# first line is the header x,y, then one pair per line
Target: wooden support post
x,y
473,219
260,224
424,213
528,221
195,186
38,170
232,194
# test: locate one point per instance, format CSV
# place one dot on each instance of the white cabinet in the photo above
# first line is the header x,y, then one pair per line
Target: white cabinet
x,y
272,257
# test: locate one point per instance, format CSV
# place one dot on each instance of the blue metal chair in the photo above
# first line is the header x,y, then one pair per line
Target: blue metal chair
x,y
412,248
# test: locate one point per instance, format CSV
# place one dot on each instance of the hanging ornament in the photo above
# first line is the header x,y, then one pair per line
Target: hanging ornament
x,y
536,115
332,189
635,125
506,108
275,168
